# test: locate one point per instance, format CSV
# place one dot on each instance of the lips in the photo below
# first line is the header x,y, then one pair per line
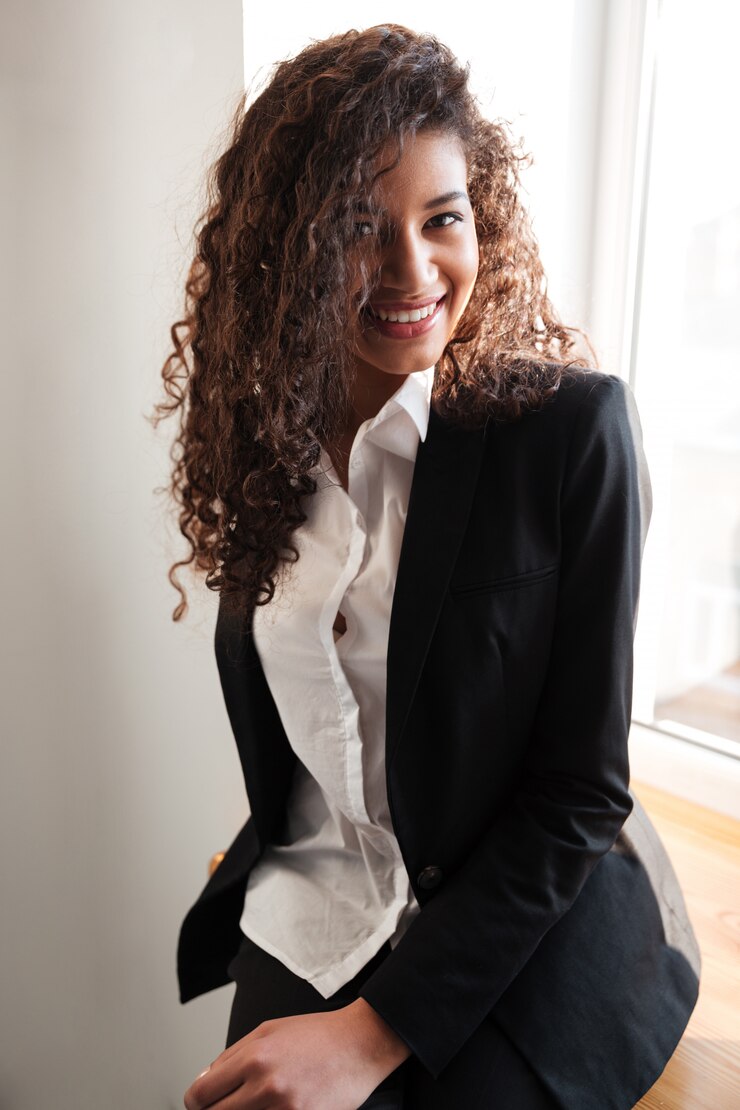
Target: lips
x,y
405,306
397,330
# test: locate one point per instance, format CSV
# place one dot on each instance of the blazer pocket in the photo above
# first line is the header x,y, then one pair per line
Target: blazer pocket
x,y
511,582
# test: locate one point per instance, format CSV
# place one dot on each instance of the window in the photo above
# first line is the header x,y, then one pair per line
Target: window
x,y
685,372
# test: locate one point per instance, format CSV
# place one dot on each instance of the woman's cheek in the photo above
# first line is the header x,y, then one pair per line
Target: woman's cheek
x,y
468,260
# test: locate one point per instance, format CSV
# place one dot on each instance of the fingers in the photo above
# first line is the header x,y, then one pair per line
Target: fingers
x,y
227,1074
236,1047
252,1097
201,1089
214,1084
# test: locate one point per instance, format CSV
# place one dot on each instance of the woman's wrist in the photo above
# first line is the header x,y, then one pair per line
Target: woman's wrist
x,y
376,1035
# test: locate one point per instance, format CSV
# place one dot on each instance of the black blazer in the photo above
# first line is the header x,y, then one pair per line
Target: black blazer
x,y
548,905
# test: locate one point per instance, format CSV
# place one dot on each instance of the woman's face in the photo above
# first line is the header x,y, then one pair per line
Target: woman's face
x,y
429,259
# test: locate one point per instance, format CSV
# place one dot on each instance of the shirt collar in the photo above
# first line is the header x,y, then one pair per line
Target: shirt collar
x,y
413,397
401,422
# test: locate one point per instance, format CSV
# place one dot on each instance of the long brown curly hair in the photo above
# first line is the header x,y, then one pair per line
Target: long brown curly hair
x,y
262,367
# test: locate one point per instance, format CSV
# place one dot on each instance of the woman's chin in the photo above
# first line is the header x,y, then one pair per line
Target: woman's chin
x,y
401,358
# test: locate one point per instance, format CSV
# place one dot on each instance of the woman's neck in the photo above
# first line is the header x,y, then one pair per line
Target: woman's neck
x,y
371,390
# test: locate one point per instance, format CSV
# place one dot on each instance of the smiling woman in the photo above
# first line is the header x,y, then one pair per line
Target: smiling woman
x,y
285,351
425,521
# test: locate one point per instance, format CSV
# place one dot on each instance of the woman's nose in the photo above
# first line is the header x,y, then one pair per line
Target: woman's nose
x,y
408,263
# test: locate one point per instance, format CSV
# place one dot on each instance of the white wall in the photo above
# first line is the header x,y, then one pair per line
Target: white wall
x,y
119,773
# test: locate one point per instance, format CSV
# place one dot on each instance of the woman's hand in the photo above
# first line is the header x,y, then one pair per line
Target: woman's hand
x,y
323,1061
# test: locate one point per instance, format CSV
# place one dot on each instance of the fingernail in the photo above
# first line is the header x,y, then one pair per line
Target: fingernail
x,y
204,1072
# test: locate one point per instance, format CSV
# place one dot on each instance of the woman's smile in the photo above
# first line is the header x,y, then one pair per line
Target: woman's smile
x,y
404,323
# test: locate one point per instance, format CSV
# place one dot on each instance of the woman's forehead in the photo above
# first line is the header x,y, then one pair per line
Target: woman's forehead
x,y
432,164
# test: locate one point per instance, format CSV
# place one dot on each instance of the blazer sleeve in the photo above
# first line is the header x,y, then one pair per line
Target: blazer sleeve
x,y
476,932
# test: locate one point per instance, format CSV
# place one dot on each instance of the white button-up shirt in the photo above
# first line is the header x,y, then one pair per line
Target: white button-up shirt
x,y
327,896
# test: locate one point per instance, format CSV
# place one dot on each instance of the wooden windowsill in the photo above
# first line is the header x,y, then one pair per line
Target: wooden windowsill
x,y
704,846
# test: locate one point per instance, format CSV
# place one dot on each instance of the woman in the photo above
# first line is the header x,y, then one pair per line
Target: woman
x,y
425,518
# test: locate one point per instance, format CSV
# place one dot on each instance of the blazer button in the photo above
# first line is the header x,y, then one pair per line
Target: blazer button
x,y
430,877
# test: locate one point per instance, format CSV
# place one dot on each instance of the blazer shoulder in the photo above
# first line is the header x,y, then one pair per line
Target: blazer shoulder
x,y
586,397
591,410
579,384
580,388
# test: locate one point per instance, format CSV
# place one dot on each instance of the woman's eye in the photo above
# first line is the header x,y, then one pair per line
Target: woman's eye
x,y
453,216
367,227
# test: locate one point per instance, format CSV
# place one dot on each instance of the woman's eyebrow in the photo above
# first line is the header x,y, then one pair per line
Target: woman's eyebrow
x,y
445,198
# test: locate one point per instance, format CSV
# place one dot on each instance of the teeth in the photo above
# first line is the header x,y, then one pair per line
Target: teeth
x,y
406,317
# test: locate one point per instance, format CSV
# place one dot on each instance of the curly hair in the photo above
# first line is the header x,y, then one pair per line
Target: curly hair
x,y
262,366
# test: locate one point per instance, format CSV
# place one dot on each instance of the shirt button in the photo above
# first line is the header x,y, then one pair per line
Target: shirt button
x,y
430,877
355,463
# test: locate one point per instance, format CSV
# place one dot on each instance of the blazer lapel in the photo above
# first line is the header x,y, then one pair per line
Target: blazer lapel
x,y
445,476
